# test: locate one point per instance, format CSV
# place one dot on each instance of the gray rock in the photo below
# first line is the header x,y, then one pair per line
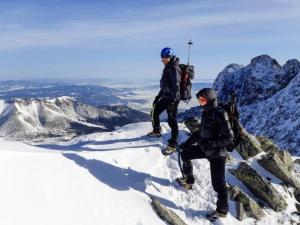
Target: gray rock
x,y
259,186
297,194
245,204
267,145
166,214
280,163
248,146
297,161
192,124
240,211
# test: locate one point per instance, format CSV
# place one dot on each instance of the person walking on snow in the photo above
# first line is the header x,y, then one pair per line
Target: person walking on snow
x,y
210,141
168,97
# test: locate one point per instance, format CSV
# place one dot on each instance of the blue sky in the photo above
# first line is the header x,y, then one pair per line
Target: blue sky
x,y
122,39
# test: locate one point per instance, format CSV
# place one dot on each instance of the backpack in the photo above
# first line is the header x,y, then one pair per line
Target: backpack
x,y
233,114
187,74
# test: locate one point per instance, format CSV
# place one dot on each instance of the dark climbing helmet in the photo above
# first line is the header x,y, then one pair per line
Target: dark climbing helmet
x,y
166,52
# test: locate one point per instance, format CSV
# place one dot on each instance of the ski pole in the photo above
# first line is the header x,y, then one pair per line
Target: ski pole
x,y
179,162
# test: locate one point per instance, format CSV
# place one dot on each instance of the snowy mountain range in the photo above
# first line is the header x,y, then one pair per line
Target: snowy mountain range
x,y
268,97
138,95
61,118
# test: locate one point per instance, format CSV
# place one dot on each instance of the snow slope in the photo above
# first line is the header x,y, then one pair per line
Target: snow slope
x,y
106,178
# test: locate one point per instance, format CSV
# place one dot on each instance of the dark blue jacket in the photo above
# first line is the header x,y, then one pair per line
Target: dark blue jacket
x,y
170,81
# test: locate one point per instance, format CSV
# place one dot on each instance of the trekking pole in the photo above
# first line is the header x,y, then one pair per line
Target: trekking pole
x,y
179,162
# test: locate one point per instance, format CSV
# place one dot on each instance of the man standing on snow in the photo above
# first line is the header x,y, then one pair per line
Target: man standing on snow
x,y
211,142
168,98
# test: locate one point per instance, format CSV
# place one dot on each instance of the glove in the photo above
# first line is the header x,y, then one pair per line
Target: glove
x,y
183,145
156,99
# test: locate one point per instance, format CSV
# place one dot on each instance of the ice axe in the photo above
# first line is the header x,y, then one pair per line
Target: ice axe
x,y
185,74
189,52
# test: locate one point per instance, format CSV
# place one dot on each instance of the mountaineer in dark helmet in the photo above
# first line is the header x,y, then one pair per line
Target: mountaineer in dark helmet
x,y
168,97
210,141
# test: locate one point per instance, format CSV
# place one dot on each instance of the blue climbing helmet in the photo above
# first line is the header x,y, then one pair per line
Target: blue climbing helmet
x,y
166,52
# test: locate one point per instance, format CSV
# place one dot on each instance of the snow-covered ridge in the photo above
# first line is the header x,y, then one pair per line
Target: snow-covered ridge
x,y
62,117
268,96
107,177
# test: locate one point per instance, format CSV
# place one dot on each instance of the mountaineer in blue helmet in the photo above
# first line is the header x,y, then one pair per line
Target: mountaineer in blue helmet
x,y
168,98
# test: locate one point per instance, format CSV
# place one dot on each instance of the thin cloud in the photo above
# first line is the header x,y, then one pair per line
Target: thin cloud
x,y
76,32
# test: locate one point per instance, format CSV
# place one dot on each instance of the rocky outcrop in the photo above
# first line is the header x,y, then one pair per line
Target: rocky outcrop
x,y
167,215
192,124
259,186
280,164
245,205
248,146
267,144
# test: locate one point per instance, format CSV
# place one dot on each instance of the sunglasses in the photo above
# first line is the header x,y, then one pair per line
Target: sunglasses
x,y
202,100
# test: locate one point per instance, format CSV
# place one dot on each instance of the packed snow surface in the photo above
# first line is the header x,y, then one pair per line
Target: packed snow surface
x,y
106,178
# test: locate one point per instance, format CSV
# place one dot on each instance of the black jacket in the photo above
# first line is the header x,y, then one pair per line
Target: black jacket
x,y
170,81
215,133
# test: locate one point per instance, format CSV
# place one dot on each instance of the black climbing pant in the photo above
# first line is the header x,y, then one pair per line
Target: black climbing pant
x,y
172,110
217,169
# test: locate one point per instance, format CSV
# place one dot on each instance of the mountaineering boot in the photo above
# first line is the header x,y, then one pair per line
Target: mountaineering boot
x,y
213,216
171,148
154,133
183,182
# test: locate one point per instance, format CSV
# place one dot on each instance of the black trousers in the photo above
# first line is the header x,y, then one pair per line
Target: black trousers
x,y
172,110
217,169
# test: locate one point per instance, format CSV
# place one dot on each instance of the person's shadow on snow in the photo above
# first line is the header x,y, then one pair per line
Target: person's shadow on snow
x,y
117,178
123,179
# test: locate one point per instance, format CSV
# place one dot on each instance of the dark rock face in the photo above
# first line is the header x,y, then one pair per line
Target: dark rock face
x,y
297,194
259,186
245,205
252,83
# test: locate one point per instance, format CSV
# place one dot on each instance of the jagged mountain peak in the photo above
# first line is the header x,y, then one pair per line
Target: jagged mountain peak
x,y
292,66
265,61
268,98
292,62
233,67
